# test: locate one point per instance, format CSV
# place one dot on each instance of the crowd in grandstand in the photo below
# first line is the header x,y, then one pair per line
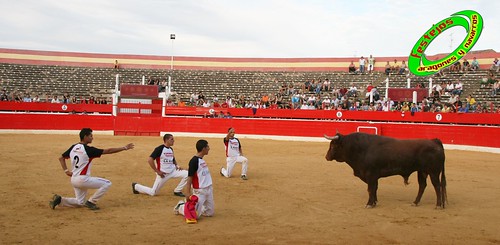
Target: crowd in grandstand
x,y
17,96
321,94
324,95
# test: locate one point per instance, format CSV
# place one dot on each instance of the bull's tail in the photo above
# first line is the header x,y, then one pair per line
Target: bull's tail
x,y
444,196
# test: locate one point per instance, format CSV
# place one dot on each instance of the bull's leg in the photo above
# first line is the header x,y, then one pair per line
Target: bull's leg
x,y
422,183
372,193
437,187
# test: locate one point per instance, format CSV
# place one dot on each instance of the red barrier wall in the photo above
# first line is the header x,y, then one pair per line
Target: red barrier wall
x,y
54,107
130,125
449,134
419,117
34,121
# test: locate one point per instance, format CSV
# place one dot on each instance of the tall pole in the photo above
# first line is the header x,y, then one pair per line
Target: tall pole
x,y
172,37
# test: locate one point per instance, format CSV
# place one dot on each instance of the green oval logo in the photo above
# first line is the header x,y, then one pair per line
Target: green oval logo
x,y
473,24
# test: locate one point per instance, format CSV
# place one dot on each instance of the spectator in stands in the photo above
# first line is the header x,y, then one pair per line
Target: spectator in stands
x,y
368,90
433,108
496,65
83,100
441,88
304,106
151,81
193,99
307,85
342,92
489,80
346,104
453,99
55,99
480,108
495,89
362,65
265,100
317,89
413,108
456,66
36,98
311,100
352,68
402,68
163,85
385,106
371,64
405,107
465,66
325,103
201,98
326,85
91,100
4,96
206,104
462,109
387,68
395,67
471,103
116,64
27,98
65,99
371,107
295,100
376,95
425,105
363,106
224,104
457,88
449,87
16,96
474,66
352,92
446,109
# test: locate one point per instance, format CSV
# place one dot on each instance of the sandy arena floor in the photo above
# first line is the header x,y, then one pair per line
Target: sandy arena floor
x,y
293,196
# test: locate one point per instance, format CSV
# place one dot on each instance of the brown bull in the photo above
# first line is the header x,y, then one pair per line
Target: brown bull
x,y
373,157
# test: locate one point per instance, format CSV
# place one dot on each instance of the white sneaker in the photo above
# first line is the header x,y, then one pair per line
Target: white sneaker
x,y
176,208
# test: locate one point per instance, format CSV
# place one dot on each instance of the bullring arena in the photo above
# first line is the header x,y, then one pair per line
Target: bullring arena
x,y
293,195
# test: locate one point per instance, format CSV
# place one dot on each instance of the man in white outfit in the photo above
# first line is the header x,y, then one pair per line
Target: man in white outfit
x,y
81,156
234,155
162,161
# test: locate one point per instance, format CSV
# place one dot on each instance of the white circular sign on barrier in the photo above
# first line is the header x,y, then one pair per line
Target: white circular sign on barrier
x,y
439,117
339,114
64,107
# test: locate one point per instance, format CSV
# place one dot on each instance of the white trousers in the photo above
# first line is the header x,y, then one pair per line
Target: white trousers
x,y
159,182
81,184
231,161
205,205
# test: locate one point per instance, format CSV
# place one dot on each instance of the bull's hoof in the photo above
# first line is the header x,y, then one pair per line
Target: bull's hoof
x,y
439,207
414,204
369,206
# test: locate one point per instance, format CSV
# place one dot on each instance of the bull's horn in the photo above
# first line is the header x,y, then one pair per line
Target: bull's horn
x,y
331,138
